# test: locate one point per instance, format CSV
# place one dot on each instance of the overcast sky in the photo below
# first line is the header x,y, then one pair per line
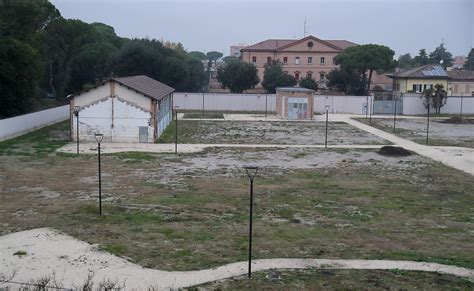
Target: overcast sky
x,y
403,25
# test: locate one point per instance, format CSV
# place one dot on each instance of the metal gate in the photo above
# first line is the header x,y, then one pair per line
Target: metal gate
x,y
387,103
297,108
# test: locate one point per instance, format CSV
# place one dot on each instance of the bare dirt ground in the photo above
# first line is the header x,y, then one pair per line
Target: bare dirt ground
x,y
440,134
270,132
190,211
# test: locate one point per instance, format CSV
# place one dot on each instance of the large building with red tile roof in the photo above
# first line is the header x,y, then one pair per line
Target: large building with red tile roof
x,y
309,56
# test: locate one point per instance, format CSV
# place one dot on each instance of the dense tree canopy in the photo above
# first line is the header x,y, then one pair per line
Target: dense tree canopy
x,y
274,77
435,97
469,65
365,59
238,76
348,81
308,82
441,56
66,55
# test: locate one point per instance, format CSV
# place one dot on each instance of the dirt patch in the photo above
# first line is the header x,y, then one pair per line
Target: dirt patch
x,y
458,120
393,151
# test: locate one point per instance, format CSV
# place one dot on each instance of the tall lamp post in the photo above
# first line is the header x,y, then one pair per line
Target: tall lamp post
x,y
98,138
327,118
176,129
76,113
428,123
371,108
251,173
394,113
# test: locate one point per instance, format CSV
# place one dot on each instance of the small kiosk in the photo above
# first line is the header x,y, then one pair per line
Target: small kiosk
x,y
294,103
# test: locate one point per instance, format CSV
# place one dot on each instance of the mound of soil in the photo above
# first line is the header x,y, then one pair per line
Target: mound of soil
x,y
458,120
392,151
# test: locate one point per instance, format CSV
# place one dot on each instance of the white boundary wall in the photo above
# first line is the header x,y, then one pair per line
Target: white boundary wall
x,y
340,104
224,102
18,125
413,105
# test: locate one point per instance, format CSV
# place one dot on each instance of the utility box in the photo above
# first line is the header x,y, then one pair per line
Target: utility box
x,y
294,103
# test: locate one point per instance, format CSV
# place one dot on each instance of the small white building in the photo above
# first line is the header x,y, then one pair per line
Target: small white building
x,y
126,109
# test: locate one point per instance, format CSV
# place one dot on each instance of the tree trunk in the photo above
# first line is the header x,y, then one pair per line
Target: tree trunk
x,y
368,82
51,79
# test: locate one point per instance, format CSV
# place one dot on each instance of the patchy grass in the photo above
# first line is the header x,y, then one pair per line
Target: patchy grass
x,y
135,157
206,115
20,253
314,279
441,134
271,132
41,142
168,135
115,249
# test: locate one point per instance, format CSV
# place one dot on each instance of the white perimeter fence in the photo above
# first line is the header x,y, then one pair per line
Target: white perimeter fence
x,y
412,103
22,124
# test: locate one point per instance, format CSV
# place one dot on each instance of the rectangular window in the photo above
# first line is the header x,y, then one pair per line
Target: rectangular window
x,y
322,60
472,93
309,75
310,60
297,75
333,61
467,88
297,60
254,60
269,60
455,88
321,76
285,60
417,88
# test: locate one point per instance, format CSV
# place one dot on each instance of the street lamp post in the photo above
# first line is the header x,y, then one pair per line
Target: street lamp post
x,y
76,113
251,173
371,109
327,118
176,129
394,113
98,138
366,107
266,105
428,123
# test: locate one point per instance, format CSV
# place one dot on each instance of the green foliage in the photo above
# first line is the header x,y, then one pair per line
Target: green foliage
x,y
198,55
435,97
19,69
42,53
421,59
308,82
274,77
469,65
348,81
231,59
238,76
440,53
214,56
405,61
366,58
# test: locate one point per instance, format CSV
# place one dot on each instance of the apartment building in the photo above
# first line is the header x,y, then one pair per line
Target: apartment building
x,y
309,56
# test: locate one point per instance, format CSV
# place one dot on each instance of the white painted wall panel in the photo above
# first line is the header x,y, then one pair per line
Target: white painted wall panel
x,y
132,96
224,102
97,118
92,95
18,125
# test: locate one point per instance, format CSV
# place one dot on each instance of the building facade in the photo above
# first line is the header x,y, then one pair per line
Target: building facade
x,y
461,82
416,80
309,56
127,109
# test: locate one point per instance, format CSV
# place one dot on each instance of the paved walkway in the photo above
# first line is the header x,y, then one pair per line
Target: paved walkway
x,y
70,260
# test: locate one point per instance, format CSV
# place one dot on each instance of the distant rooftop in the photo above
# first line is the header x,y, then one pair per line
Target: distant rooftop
x,y
427,71
275,44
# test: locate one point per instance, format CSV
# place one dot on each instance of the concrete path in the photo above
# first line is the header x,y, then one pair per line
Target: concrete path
x,y
91,148
48,252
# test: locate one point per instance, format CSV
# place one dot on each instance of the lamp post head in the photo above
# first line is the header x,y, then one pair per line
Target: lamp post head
x,y
175,107
76,110
327,107
99,137
251,171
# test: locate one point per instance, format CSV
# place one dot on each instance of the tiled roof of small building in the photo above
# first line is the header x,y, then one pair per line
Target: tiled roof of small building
x,y
145,85
461,75
427,71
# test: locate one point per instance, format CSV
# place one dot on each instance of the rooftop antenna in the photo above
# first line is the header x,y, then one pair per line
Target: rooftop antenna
x,y
304,28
